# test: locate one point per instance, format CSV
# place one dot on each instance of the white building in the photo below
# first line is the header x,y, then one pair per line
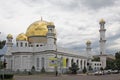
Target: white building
x,y
39,43
96,65
36,46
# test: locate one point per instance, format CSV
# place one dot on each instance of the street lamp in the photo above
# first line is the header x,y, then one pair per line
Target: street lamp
x,y
56,67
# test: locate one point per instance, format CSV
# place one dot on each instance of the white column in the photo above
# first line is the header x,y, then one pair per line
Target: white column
x,y
82,64
102,37
88,49
102,43
69,63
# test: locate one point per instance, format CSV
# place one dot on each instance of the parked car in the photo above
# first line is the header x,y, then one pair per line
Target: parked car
x,y
114,72
98,73
107,71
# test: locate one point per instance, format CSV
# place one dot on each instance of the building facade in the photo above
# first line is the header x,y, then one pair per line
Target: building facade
x,y
36,46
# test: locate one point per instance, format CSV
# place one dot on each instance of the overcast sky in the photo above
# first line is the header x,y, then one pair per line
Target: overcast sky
x,y
76,21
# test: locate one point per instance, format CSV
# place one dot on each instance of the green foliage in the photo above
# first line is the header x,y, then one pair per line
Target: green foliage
x,y
2,44
110,64
1,65
101,69
90,68
43,70
96,59
33,69
117,61
84,70
6,76
117,55
117,64
74,68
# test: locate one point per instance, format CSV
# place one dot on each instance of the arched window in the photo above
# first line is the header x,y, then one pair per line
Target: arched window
x,y
84,63
42,62
77,62
21,44
25,44
95,64
31,45
17,44
37,45
72,61
41,45
67,62
37,63
81,64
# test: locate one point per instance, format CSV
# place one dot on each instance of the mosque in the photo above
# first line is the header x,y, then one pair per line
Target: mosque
x,y
38,44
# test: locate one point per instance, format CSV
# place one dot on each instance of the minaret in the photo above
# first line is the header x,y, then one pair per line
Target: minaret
x,y
9,44
102,43
8,55
51,45
88,49
102,37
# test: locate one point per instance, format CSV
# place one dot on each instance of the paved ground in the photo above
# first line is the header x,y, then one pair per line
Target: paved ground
x,y
69,77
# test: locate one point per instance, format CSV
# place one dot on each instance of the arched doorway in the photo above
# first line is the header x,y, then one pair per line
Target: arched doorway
x,y
81,64
72,61
42,62
77,62
67,62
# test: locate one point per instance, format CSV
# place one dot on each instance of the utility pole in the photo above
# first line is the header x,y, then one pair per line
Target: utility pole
x,y
56,67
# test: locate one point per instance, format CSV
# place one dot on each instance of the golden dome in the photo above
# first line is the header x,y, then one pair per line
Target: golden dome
x,y
38,28
10,36
88,42
102,21
21,37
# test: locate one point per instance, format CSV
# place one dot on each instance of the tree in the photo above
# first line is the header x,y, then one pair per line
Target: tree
x,y
101,69
43,70
117,60
1,65
96,59
2,44
84,70
110,64
74,68
117,55
33,69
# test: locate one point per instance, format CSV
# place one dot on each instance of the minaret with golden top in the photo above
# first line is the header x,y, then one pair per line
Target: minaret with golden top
x,y
102,36
102,43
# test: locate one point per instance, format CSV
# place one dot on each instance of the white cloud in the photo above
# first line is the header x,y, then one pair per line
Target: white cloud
x,y
75,21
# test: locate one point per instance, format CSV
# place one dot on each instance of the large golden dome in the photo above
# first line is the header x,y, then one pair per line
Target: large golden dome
x,y
21,37
38,28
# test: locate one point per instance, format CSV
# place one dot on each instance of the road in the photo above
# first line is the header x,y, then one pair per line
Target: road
x,y
69,77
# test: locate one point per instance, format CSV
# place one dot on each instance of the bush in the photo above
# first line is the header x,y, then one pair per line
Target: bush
x,y
6,76
74,68
43,70
84,70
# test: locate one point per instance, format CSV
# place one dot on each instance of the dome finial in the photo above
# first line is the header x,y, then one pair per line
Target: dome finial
x,y
102,21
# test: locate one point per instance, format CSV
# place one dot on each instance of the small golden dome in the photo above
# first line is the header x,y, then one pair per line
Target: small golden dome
x,y
10,36
88,42
102,21
21,37
38,28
